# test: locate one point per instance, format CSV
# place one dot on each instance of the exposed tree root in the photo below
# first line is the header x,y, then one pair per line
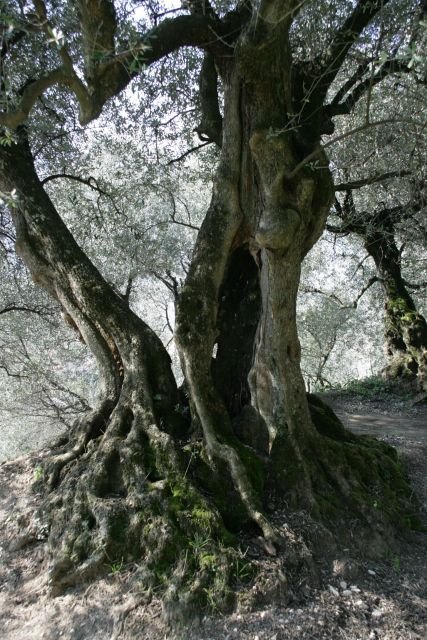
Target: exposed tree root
x,y
86,429
132,495
126,497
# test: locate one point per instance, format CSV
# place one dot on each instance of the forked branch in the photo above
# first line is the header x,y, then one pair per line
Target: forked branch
x,y
337,300
109,74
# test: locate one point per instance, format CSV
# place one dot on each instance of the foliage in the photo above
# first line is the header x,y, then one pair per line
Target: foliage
x,y
374,388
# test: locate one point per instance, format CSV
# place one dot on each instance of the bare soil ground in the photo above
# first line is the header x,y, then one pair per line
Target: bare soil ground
x,y
359,599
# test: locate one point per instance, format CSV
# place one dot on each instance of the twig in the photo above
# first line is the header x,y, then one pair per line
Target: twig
x,y
357,184
187,153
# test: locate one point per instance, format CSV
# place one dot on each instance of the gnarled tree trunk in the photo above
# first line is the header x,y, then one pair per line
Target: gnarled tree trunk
x,y
405,329
118,488
132,482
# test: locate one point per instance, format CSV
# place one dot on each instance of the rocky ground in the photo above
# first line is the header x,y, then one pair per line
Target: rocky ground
x,y
359,599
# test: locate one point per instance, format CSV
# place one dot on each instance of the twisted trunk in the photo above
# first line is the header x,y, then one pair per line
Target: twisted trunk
x,y
131,483
119,489
405,329
268,205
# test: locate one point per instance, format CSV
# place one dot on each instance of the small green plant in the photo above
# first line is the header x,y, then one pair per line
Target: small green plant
x,y
7,138
199,543
38,473
116,567
396,563
211,600
243,571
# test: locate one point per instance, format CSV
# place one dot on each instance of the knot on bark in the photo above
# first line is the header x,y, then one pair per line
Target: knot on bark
x,y
277,228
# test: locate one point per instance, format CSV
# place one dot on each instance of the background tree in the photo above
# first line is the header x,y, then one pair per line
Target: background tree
x,y
405,327
380,195
137,477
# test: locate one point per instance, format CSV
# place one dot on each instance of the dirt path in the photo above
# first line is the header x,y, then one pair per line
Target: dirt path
x,y
360,600
384,420
386,426
399,423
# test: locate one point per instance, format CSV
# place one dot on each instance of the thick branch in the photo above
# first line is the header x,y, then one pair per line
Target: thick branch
x,y
210,127
112,75
33,90
98,25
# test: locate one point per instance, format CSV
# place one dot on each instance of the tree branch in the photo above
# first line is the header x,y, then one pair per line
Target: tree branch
x,y
363,182
318,151
331,296
195,30
90,182
210,126
35,88
336,107
345,37
129,287
414,286
349,83
337,300
98,25
187,153
169,281
38,309
109,76
10,374
173,219
342,230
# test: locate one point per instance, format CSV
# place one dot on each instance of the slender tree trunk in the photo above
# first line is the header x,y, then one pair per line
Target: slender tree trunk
x,y
405,328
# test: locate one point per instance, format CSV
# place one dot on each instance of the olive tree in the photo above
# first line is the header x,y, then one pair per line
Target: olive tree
x,y
162,473
381,197
405,328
